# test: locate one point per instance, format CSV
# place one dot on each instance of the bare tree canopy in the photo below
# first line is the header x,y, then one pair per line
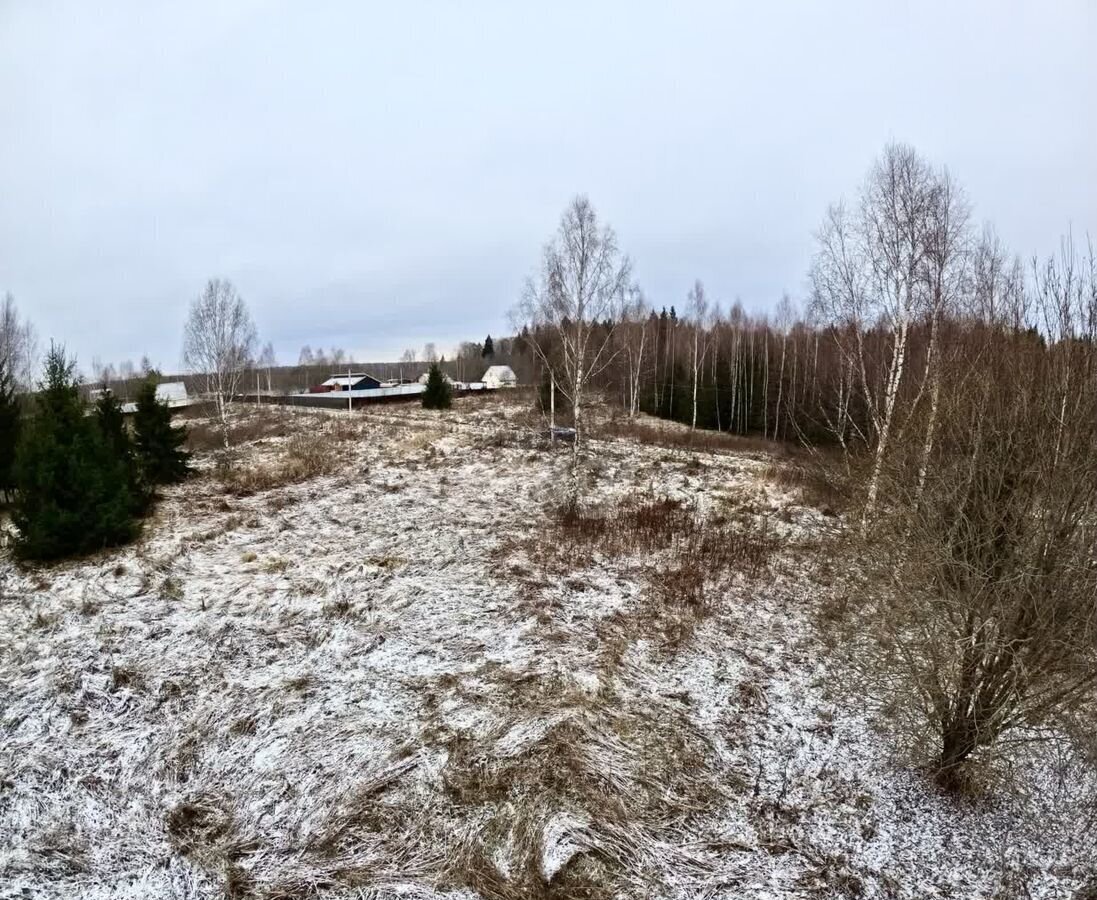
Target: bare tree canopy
x,y
18,343
577,297
219,342
267,357
890,263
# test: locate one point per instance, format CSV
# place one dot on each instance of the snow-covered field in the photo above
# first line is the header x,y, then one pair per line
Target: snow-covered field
x,y
400,680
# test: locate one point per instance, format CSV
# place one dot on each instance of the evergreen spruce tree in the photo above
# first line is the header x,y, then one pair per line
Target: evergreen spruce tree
x,y
72,491
9,428
489,348
159,443
112,427
439,394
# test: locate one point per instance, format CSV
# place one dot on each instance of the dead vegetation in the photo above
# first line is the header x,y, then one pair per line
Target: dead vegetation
x,y
206,436
303,456
434,681
819,482
674,437
666,533
572,797
683,558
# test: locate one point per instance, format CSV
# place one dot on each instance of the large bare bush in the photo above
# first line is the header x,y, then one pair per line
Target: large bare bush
x,y
987,621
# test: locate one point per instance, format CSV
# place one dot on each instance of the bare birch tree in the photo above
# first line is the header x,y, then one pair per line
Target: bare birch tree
x,y
945,268
785,317
267,361
635,321
869,271
18,344
697,309
581,286
219,343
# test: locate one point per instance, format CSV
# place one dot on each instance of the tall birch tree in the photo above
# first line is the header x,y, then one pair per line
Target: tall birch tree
x,y
581,286
219,343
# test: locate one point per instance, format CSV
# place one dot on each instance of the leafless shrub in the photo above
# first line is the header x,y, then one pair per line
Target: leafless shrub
x,y
986,613
680,553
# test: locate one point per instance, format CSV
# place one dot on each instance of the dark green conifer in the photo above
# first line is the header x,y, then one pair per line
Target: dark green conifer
x,y
112,426
439,394
9,428
72,491
160,452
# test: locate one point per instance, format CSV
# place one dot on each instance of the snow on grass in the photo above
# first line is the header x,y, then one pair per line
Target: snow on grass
x,y
382,679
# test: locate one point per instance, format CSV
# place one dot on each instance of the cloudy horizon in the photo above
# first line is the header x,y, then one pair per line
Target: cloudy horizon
x,y
375,178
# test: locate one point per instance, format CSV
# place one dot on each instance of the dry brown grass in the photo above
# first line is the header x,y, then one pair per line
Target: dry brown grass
x,y
203,828
244,429
672,535
598,776
675,437
304,456
818,481
684,558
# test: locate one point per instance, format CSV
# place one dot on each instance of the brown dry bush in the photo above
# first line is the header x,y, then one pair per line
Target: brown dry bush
x,y
821,482
983,618
688,540
254,426
304,456
201,409
679,553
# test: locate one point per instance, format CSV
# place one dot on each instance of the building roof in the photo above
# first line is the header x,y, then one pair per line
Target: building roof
x,y
352,379
426,375
171,392
503,373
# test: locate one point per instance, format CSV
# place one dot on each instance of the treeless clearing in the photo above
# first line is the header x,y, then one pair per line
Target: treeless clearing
x,y
412,676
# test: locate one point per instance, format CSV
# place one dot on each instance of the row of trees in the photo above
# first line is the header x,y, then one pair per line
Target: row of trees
x,y
959,389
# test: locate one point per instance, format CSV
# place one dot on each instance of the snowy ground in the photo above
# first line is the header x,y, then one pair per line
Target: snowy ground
x,y
395,680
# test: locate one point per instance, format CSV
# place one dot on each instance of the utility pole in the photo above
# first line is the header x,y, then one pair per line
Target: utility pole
x,y
350,399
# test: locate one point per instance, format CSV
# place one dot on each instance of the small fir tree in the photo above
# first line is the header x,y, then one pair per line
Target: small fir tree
x,y
9,428
160,452
489,348
439,394
112,426
72,491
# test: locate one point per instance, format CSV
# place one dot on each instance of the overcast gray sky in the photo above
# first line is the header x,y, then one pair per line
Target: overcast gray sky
x,y
379,175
